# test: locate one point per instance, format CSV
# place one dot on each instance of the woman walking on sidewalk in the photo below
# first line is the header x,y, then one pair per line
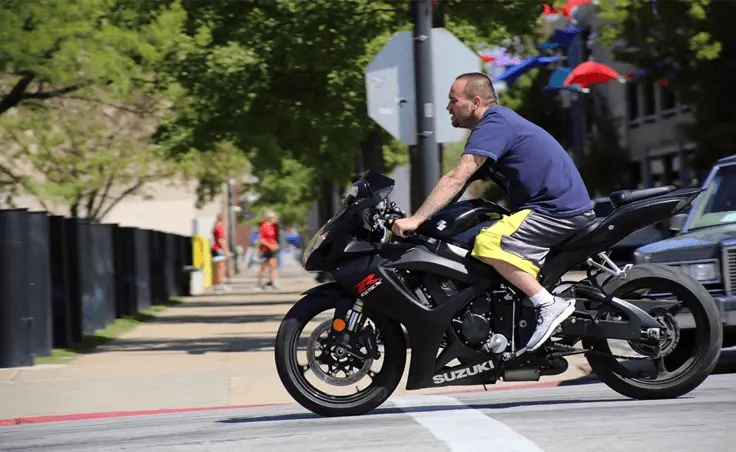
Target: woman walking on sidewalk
x,y
269,237
220,254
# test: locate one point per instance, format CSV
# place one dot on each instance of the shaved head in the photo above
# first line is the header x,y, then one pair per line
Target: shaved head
x,y
470,96
478,84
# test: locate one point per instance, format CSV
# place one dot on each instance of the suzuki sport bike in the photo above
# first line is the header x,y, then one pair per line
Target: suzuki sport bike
x,y
464,324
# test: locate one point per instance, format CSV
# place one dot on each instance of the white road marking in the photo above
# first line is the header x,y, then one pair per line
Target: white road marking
x,y
463,429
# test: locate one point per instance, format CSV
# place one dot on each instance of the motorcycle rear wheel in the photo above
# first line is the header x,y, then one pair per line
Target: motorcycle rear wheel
x,y
694,356
292,374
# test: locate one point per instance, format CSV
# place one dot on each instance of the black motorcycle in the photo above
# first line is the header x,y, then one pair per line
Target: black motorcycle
x,y
465,324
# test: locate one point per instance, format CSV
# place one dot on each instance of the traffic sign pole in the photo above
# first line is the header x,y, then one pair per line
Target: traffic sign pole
x,y
424,158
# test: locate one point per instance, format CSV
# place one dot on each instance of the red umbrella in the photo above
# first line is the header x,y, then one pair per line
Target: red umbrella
x,y
590,72
487,59
568,9
551,13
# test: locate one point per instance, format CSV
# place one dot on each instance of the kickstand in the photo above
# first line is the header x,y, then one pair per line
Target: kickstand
x,y
484,387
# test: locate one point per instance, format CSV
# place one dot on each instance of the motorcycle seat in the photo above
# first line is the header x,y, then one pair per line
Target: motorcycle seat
x,y
623,197
577,236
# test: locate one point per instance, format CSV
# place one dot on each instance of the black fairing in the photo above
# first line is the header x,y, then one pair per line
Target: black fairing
x,y
459,218
376,273
603,235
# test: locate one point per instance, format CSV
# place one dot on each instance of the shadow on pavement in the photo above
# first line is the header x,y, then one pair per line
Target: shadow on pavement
x,y
726,362
233,304
193,346
420,409
225,344
246,318
235,291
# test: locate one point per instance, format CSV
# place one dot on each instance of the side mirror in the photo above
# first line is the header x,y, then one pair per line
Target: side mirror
x,y
677,222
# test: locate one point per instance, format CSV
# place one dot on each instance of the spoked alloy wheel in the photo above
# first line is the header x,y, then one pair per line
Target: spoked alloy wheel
x,y
333,364
326,378
686,352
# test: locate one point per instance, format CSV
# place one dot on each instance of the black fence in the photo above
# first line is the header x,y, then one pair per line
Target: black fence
x,y
62,279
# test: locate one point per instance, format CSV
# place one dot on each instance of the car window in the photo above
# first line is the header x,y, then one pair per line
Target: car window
x,y
717,205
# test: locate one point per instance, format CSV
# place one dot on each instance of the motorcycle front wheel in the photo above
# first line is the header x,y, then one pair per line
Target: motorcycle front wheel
x,y
324,378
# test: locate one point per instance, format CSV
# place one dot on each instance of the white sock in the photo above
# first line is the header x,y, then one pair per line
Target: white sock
x,y
543,298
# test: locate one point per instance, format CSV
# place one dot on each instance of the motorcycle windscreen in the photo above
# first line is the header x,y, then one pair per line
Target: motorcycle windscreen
x,y
380,185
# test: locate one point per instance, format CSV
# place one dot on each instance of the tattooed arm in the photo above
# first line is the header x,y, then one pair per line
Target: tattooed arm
x,y
449,185
447,188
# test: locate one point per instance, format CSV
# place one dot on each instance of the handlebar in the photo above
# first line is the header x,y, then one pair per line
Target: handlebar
x,y
407,234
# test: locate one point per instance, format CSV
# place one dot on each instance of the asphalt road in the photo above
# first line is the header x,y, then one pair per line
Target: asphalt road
x,y
586,417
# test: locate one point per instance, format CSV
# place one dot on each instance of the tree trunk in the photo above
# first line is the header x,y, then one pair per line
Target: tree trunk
x,y
15,95
371,150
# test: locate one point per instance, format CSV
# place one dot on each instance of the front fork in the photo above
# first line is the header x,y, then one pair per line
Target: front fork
x,y
347,330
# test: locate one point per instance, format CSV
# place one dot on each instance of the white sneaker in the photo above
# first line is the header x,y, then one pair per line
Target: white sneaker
x,y
549,317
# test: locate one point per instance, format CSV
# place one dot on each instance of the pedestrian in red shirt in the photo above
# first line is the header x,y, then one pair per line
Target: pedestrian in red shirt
x,y
269,238
219,255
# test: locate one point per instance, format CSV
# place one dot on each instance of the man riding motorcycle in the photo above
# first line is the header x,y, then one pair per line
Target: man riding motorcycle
x,y
547,195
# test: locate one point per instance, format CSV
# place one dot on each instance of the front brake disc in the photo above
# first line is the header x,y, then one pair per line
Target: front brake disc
x,y
336,356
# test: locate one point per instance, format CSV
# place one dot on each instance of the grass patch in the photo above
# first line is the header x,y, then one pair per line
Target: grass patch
x,y
102,337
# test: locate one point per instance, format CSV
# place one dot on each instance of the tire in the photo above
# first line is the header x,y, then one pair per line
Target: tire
x,y
706,342
386,381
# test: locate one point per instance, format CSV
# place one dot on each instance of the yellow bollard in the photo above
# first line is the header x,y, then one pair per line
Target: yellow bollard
x,y
202,257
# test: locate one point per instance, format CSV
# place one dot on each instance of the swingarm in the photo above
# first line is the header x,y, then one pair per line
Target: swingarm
x,y
614,318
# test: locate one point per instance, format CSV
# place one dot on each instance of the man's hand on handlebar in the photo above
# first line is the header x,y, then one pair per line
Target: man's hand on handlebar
x,y
402,226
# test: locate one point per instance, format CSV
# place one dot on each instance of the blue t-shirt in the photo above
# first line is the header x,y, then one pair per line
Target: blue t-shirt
x,y
537,172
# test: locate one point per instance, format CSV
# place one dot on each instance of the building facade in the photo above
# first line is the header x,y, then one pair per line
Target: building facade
x,y
646,115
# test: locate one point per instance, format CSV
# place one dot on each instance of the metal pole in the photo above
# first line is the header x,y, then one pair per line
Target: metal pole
x,y
577,114
425,167
231,271
438,21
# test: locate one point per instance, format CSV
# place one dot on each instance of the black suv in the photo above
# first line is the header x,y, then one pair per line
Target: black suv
x,y
705,246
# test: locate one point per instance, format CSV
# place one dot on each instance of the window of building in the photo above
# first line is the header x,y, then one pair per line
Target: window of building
x,y
650,103
669,102
632,100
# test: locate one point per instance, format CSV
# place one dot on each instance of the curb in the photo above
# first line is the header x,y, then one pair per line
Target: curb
x,y
117,414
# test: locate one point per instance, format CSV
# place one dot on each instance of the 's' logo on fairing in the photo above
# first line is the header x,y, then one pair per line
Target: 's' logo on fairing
x,y
368,283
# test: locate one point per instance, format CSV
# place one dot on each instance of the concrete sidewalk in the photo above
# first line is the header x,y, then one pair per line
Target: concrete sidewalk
x,y
211,350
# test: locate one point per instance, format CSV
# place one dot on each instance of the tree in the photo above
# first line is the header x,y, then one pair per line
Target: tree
x,y
284,79
691,45
55,48
87,156
286,190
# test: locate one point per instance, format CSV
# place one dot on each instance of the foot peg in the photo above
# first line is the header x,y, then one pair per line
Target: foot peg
x,y
508,356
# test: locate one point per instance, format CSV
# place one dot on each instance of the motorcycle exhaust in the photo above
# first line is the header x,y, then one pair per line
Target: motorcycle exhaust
x,y
521,375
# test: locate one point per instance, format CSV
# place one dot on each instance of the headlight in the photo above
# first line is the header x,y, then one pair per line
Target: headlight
x,y
313,244
702,272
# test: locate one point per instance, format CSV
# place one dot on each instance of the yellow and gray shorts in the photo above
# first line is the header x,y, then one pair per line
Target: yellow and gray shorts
x,y
524,238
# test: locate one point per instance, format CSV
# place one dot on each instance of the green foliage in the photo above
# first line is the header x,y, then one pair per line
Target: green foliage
x,y
84,85
694,42
274,84
285,190
83,155
283,80
51,48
